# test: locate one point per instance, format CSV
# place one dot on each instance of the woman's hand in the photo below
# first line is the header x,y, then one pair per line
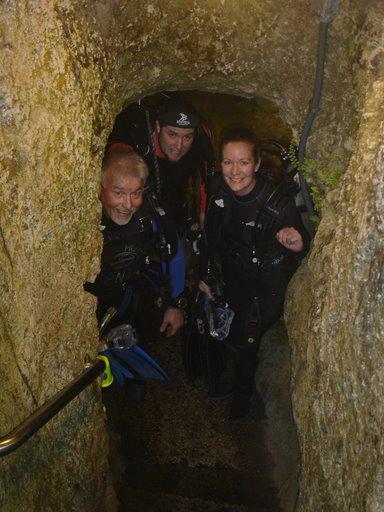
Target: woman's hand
x,y
173,319
291,239
206,289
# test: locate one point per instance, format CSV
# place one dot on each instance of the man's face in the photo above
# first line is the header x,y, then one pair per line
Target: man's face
x,y
121,195
175,142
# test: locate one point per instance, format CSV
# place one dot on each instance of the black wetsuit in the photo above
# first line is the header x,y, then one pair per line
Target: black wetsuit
x,y
127,260
175,178
256,268
131,129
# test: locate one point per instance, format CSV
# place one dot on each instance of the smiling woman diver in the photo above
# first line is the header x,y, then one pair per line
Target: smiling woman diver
x,y
254,231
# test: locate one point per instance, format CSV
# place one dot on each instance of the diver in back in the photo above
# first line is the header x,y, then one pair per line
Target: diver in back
x,y
178,150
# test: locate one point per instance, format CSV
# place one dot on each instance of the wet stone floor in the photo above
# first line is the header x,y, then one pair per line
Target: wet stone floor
x,y
176,451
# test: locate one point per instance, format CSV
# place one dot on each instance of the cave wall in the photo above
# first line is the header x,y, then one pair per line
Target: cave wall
x,y
49,245
335,318
67,68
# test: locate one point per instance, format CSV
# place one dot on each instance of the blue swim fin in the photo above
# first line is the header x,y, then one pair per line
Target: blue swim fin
x,y
141,364
119,371
151,361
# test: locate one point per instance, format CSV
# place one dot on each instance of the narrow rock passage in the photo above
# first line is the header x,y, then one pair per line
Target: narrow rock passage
x,y
176,451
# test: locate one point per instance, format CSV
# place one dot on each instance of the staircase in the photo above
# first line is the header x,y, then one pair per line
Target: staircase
x,y
176,452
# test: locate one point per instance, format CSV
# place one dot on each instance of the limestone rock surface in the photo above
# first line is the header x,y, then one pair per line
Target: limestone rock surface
x,y
335,318
49,246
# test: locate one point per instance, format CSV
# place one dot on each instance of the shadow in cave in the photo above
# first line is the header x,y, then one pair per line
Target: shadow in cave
x,y
175,450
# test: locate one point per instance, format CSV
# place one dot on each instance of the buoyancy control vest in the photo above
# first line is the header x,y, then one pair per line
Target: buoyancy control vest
x,y
241,230
125,252
128,249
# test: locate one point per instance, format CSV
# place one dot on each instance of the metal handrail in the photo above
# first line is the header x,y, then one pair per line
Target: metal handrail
x,y
39,418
